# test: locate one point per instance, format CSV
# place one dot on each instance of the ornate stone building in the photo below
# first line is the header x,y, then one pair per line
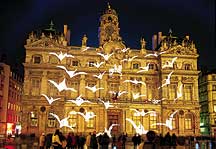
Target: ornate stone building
x,y
207,96
134,81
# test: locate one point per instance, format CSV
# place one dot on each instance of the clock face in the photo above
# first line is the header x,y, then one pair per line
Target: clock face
x,y
109,30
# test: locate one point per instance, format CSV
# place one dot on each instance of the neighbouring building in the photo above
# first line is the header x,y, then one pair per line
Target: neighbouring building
x,y
147,87
207,96
11,87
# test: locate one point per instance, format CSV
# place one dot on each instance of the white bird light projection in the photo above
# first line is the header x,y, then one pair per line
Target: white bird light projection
x,y
179,92
142,112
79,101
98,65
71,73
87,116
119,93
169,64
107,131
138,128
167,81
137,95
100,76
156,54
146,68
129,59
168,121
62,86
94,88
135,81
51,99
107,104
61,56
105,56
63,122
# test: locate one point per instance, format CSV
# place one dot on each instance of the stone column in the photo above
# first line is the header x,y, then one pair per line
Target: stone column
x,y
143,89
44,83
82,85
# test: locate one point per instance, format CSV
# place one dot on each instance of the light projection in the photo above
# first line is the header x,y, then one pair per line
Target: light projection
x,y
87,116
61,86
107,131
155,54
71,73
138,128
129,59
51,99
79,101
169,64
94,88
168,121
105,56
167,81
100,76
107,104
146,68
98,65
61,56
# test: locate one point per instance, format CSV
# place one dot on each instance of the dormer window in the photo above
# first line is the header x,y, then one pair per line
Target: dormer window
x,y
187,67
151,66
74,63
91,64
37,59
135,66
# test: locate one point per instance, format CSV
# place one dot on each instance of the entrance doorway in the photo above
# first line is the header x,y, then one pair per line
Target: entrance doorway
x,y
114,116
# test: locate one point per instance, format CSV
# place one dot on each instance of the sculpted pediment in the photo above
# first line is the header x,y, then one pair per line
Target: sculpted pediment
x,y
181,50
44,42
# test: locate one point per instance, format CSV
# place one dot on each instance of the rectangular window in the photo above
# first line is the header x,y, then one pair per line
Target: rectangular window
x,y
188,121
172,91
35,86
73,120
213,87
214,107
33,119
187,92
74,63
52,90
37,60
51,122
136,66
91,123
91,64
152,120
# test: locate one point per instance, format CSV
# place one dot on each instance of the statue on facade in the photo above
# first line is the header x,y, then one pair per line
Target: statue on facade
x,y
84,40
143,43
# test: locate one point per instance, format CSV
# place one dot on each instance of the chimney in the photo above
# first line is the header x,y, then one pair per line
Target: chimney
x,y
65,30
68,36
159,37
154,42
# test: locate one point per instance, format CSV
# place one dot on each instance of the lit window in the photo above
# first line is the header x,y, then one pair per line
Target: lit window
x,y
152,120
188,121
188,92
72,120
137,119
91,122
33,119
172,92
35,86
136,66
52,90
214,106
214,87
51,121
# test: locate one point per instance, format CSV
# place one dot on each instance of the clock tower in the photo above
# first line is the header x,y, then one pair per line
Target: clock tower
x,y
108,29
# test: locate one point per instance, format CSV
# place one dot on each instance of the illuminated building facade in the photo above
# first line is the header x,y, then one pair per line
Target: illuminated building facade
x,y
180,95
207,93
10,100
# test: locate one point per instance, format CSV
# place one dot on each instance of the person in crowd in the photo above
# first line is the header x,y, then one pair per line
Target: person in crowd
x,y
42,141
63,140
113,140
135,140
149,143
48,140
99,138
124,139
74,141
81,141
56,143
173,140
69,141
105,141
88,140
93,142
167,139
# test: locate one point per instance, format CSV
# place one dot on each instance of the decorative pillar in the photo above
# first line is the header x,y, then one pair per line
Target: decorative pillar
x,y
44,81
82,85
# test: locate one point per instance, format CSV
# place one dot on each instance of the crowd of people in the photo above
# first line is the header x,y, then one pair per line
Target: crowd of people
x,y
79,141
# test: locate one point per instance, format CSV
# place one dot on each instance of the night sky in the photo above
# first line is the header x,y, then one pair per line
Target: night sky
x,y
137,18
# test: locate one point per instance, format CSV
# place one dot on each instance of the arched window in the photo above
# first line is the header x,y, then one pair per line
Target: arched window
x,y
188,121
136,65
72,120
175,122
152,120
37,59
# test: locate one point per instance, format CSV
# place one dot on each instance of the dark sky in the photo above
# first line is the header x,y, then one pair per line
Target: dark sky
x,y
137,18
